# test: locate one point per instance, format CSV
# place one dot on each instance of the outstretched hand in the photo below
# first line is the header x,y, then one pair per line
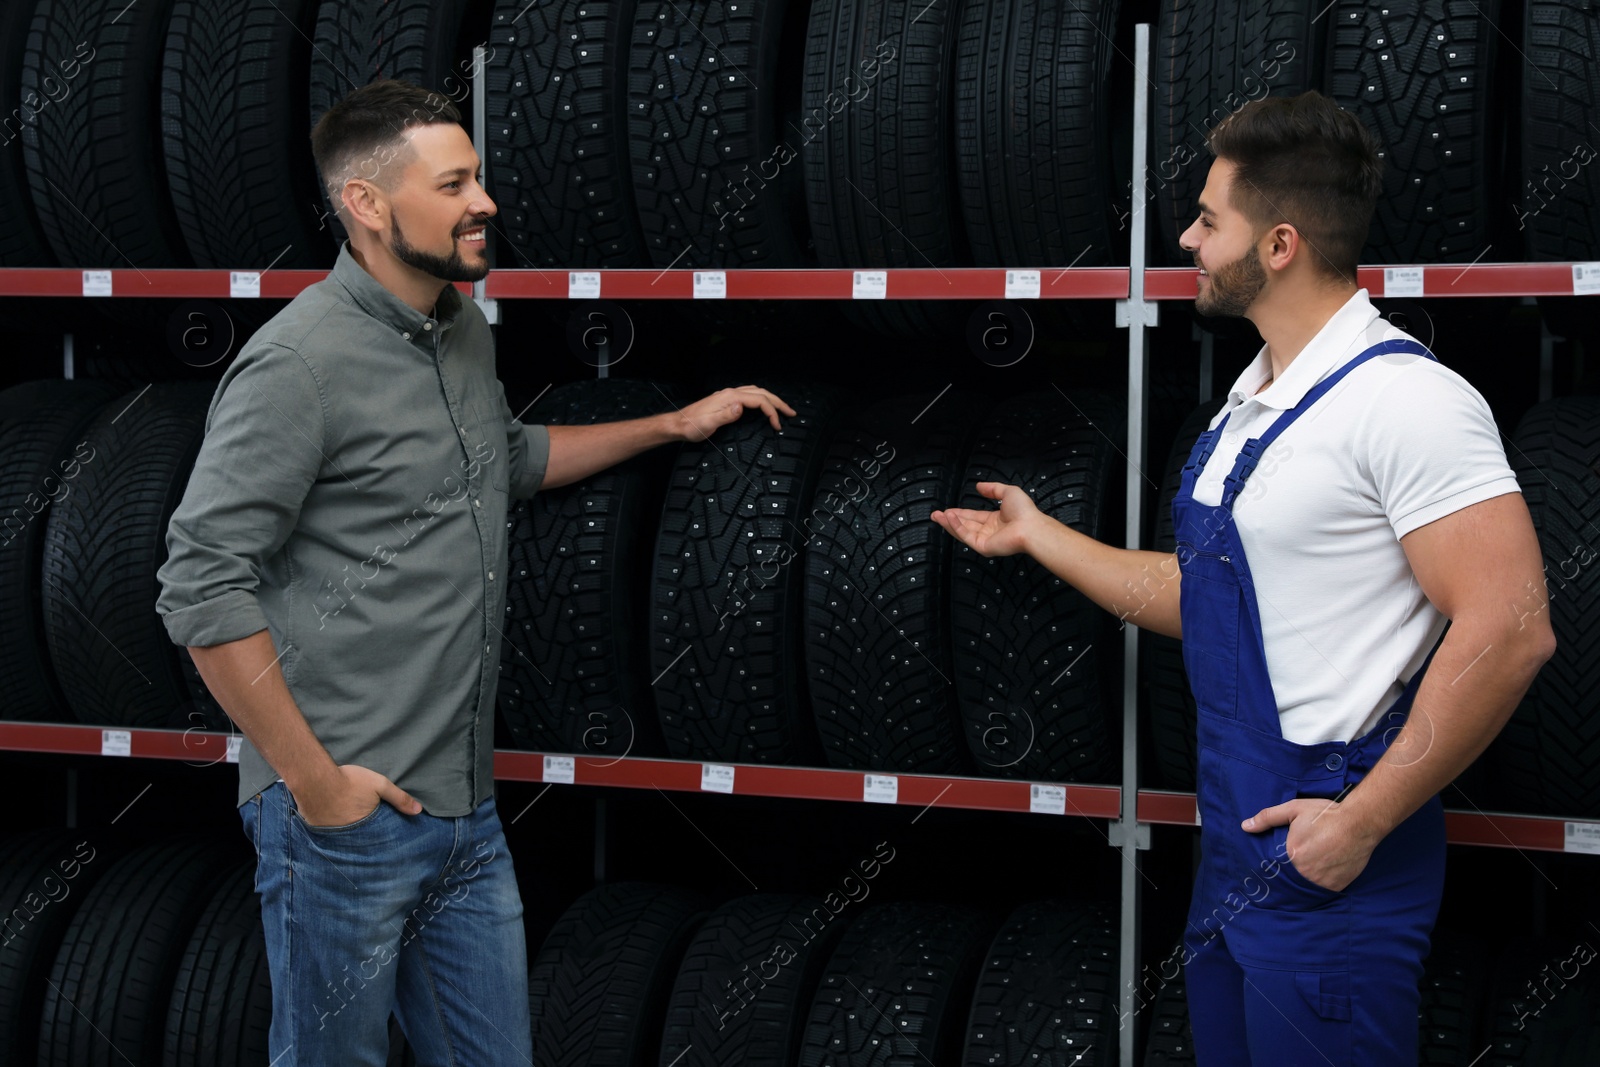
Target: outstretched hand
x,y
1001,532
700,420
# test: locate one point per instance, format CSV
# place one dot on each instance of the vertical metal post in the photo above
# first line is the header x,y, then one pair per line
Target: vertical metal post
x,y
1208,385
480,144
1547,360
1136,314
68,357
72,793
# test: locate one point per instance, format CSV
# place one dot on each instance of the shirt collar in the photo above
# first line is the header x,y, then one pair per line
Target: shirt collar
x,y
1341,339
370,295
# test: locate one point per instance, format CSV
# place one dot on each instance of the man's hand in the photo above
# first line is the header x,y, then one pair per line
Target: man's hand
x,y
350,795
1327,846
700,420
1002,532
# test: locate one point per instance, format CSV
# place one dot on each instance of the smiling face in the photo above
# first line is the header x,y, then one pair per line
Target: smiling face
x,y
1223,243
440,209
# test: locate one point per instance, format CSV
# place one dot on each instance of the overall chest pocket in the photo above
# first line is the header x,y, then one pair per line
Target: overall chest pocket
x,y
1214,618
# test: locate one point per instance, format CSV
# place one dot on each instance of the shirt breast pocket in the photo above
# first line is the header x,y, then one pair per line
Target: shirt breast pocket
x,y
488,451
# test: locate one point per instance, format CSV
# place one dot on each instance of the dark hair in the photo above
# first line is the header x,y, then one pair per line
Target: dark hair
x,y
357,137
1306,161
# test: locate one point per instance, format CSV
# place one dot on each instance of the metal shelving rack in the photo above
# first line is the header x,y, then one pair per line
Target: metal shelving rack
x,y
1137,289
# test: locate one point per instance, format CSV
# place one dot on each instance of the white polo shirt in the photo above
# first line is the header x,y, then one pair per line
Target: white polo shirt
x,y
1400,442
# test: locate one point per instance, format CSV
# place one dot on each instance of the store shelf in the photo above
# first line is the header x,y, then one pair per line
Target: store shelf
x,y
1438,280
202,747
928,283
1490,829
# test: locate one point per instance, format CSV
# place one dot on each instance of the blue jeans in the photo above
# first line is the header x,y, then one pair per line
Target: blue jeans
x,y
410,914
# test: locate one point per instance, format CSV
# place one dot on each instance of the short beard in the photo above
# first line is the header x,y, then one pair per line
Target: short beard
x,y
1233,287
451,268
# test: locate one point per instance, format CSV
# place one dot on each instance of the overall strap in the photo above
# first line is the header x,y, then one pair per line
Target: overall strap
x,y
1251,453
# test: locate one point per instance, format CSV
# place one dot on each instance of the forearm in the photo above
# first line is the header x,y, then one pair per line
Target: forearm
x,y
1138,587
245,678
576,452
1473,685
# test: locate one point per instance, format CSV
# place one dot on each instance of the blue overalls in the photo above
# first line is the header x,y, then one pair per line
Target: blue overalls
x,y
1279,970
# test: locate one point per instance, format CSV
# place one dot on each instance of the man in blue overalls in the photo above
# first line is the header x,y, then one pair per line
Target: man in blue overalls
x,y
1350,500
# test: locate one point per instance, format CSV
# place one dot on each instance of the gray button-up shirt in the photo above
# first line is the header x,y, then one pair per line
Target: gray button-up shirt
x,y
351,498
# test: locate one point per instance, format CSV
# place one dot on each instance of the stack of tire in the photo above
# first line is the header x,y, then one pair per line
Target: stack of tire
x,y
640,975
150,955
91,479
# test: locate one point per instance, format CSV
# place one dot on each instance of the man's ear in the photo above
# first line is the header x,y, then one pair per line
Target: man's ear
x,y
1280,246
365,205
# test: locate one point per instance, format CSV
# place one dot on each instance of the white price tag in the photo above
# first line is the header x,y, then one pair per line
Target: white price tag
x,y
1197,813
869,285
710,285
1048,799
116,742
1585,279
559,769
716,777
1582,837
1022,285
96,283
244,284
1402,281
583,284
881,789
234,741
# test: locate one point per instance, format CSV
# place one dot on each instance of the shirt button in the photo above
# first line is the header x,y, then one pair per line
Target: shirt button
x,y
491,576
427,326
1334,761
477,503
463,430
486,648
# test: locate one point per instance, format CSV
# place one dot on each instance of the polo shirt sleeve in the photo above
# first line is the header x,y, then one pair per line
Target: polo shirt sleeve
x,y
263,449
1432,447
529,456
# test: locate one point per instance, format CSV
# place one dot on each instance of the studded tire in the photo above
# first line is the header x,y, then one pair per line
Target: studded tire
x,y
1031,677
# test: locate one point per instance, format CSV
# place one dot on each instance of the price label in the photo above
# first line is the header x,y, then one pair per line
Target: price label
x,y
244,284
710,285
96,283
1048,799
583,284
1022,285
881,789
869,285
234,741
559,769
116,742
716,777
1197,813
1402,281
1582,837
1585,279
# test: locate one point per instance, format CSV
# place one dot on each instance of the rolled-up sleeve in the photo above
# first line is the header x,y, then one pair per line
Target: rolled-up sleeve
x,y
263,450
529,455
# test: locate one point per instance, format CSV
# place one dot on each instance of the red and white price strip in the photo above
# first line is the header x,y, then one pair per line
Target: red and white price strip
x,y
1047,799
1022,285
1402,281
710,285
1585,279
116,742
1582,837
880,789
244,284
234,741
559,769
583,284
869,285
716,777
96,283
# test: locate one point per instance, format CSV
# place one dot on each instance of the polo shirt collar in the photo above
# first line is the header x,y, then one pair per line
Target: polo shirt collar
x,y
383,305
1333,346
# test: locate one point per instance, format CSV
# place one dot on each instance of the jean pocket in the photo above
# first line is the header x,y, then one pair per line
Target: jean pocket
x,y
365,821
1327,993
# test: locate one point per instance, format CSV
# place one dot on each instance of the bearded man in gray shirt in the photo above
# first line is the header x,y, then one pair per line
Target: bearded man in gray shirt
x,y
336,568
